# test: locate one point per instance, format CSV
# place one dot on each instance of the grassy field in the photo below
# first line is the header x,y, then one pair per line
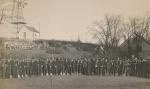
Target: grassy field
x,y
19,54
75,82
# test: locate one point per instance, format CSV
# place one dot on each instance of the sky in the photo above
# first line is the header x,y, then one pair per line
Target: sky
x,y
70,19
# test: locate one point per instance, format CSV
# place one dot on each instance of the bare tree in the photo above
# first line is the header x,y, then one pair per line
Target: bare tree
x,y
108,31
2,15
3,10
140,26
137,29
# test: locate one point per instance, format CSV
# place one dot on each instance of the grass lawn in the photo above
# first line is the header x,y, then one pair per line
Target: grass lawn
x,y
19,54
75,82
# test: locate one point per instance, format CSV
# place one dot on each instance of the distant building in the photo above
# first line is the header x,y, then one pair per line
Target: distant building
x,y
137,46
6,31
29,33
23,40
26,33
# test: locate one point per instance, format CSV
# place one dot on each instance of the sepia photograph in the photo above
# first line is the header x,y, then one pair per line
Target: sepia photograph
x,y
74,44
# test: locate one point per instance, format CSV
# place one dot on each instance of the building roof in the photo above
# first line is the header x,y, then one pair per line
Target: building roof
x,y
125,43
145,45
19,23
32,29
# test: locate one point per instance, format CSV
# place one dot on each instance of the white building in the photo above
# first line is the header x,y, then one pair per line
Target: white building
x,y
26,33
6,31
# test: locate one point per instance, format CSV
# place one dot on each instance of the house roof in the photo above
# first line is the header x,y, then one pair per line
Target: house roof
x,y
32,29
19,23
145,52
125,43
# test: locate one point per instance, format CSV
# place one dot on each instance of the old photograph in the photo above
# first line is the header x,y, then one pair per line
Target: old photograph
x,y
74,44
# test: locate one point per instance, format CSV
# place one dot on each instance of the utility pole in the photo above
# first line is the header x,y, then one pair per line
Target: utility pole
x,y
39,30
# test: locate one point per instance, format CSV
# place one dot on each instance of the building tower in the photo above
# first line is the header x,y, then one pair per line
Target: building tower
x,y
17,18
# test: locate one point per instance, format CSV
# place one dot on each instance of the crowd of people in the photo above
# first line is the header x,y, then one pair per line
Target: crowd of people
x,y
15,68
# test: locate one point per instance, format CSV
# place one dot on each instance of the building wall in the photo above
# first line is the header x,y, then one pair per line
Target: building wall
x,y
27,34
6,31
145,50
145,46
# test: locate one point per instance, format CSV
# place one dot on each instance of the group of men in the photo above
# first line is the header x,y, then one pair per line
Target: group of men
x,y
15,68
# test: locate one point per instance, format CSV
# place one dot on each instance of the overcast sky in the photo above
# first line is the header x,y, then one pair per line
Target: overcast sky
x,y
66,19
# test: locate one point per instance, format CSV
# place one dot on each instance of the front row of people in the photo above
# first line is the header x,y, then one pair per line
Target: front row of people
x,y
13,68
